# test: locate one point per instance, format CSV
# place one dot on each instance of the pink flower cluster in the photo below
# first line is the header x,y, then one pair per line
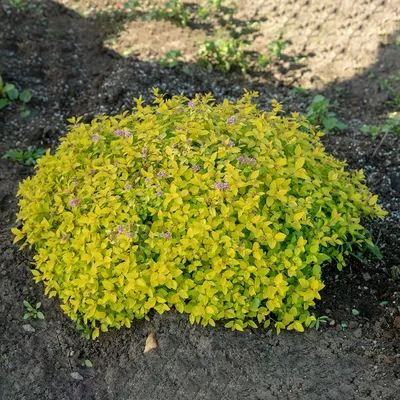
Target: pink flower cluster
x,y
127,133
165,235
247,160
231,120
221,186
74,202
231,143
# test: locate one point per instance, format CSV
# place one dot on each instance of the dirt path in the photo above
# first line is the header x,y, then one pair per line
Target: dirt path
x,y
61,57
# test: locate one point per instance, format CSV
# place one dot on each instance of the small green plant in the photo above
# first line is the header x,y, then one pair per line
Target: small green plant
x,y
27,157
385,84
263,60
373,130
319,113
171,59
395,101
9,93
395,270
33,312
88,363
277,46
391,125
18,4
176,10
355,312
132,4
85,329
203,12
218,4
301,91
224,55
173,10
316,324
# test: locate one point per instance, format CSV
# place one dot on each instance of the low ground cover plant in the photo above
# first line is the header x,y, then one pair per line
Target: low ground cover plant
x,y
391,125
221,211
320,113
9,94
25,157
225,55
33,311
277,46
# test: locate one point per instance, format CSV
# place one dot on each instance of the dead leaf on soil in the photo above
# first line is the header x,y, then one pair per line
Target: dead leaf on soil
x,y
151,343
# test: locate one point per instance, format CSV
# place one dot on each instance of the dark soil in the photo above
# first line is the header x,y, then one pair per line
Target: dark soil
x,y
60,56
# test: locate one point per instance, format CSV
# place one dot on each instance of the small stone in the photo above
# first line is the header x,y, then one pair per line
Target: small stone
x,y
332,322
353,324
77,376
366,276
397,382
358,333
28,328
396,322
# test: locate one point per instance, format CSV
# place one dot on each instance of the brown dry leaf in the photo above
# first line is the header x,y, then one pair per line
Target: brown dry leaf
x,y
151,343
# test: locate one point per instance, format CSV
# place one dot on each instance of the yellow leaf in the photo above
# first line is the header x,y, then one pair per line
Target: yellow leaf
x,y
373,200
280,162
254,174
278,279
95,333
304,283
298,216
299,163
108,285
298,326
280,237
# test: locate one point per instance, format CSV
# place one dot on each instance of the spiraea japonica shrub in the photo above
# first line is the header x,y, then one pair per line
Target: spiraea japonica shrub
x,y
223,212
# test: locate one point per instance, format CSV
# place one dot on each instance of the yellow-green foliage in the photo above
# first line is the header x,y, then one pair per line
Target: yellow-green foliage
x,y
221,211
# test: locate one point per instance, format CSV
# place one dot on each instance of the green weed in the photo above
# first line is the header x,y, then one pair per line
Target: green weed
x,y
27,157
224,55
277,46
300,91
33,312
316,324
9,94
391,125
171,59
319,113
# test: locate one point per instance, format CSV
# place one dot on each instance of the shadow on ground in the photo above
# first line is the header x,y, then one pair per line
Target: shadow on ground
x,y
60,56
